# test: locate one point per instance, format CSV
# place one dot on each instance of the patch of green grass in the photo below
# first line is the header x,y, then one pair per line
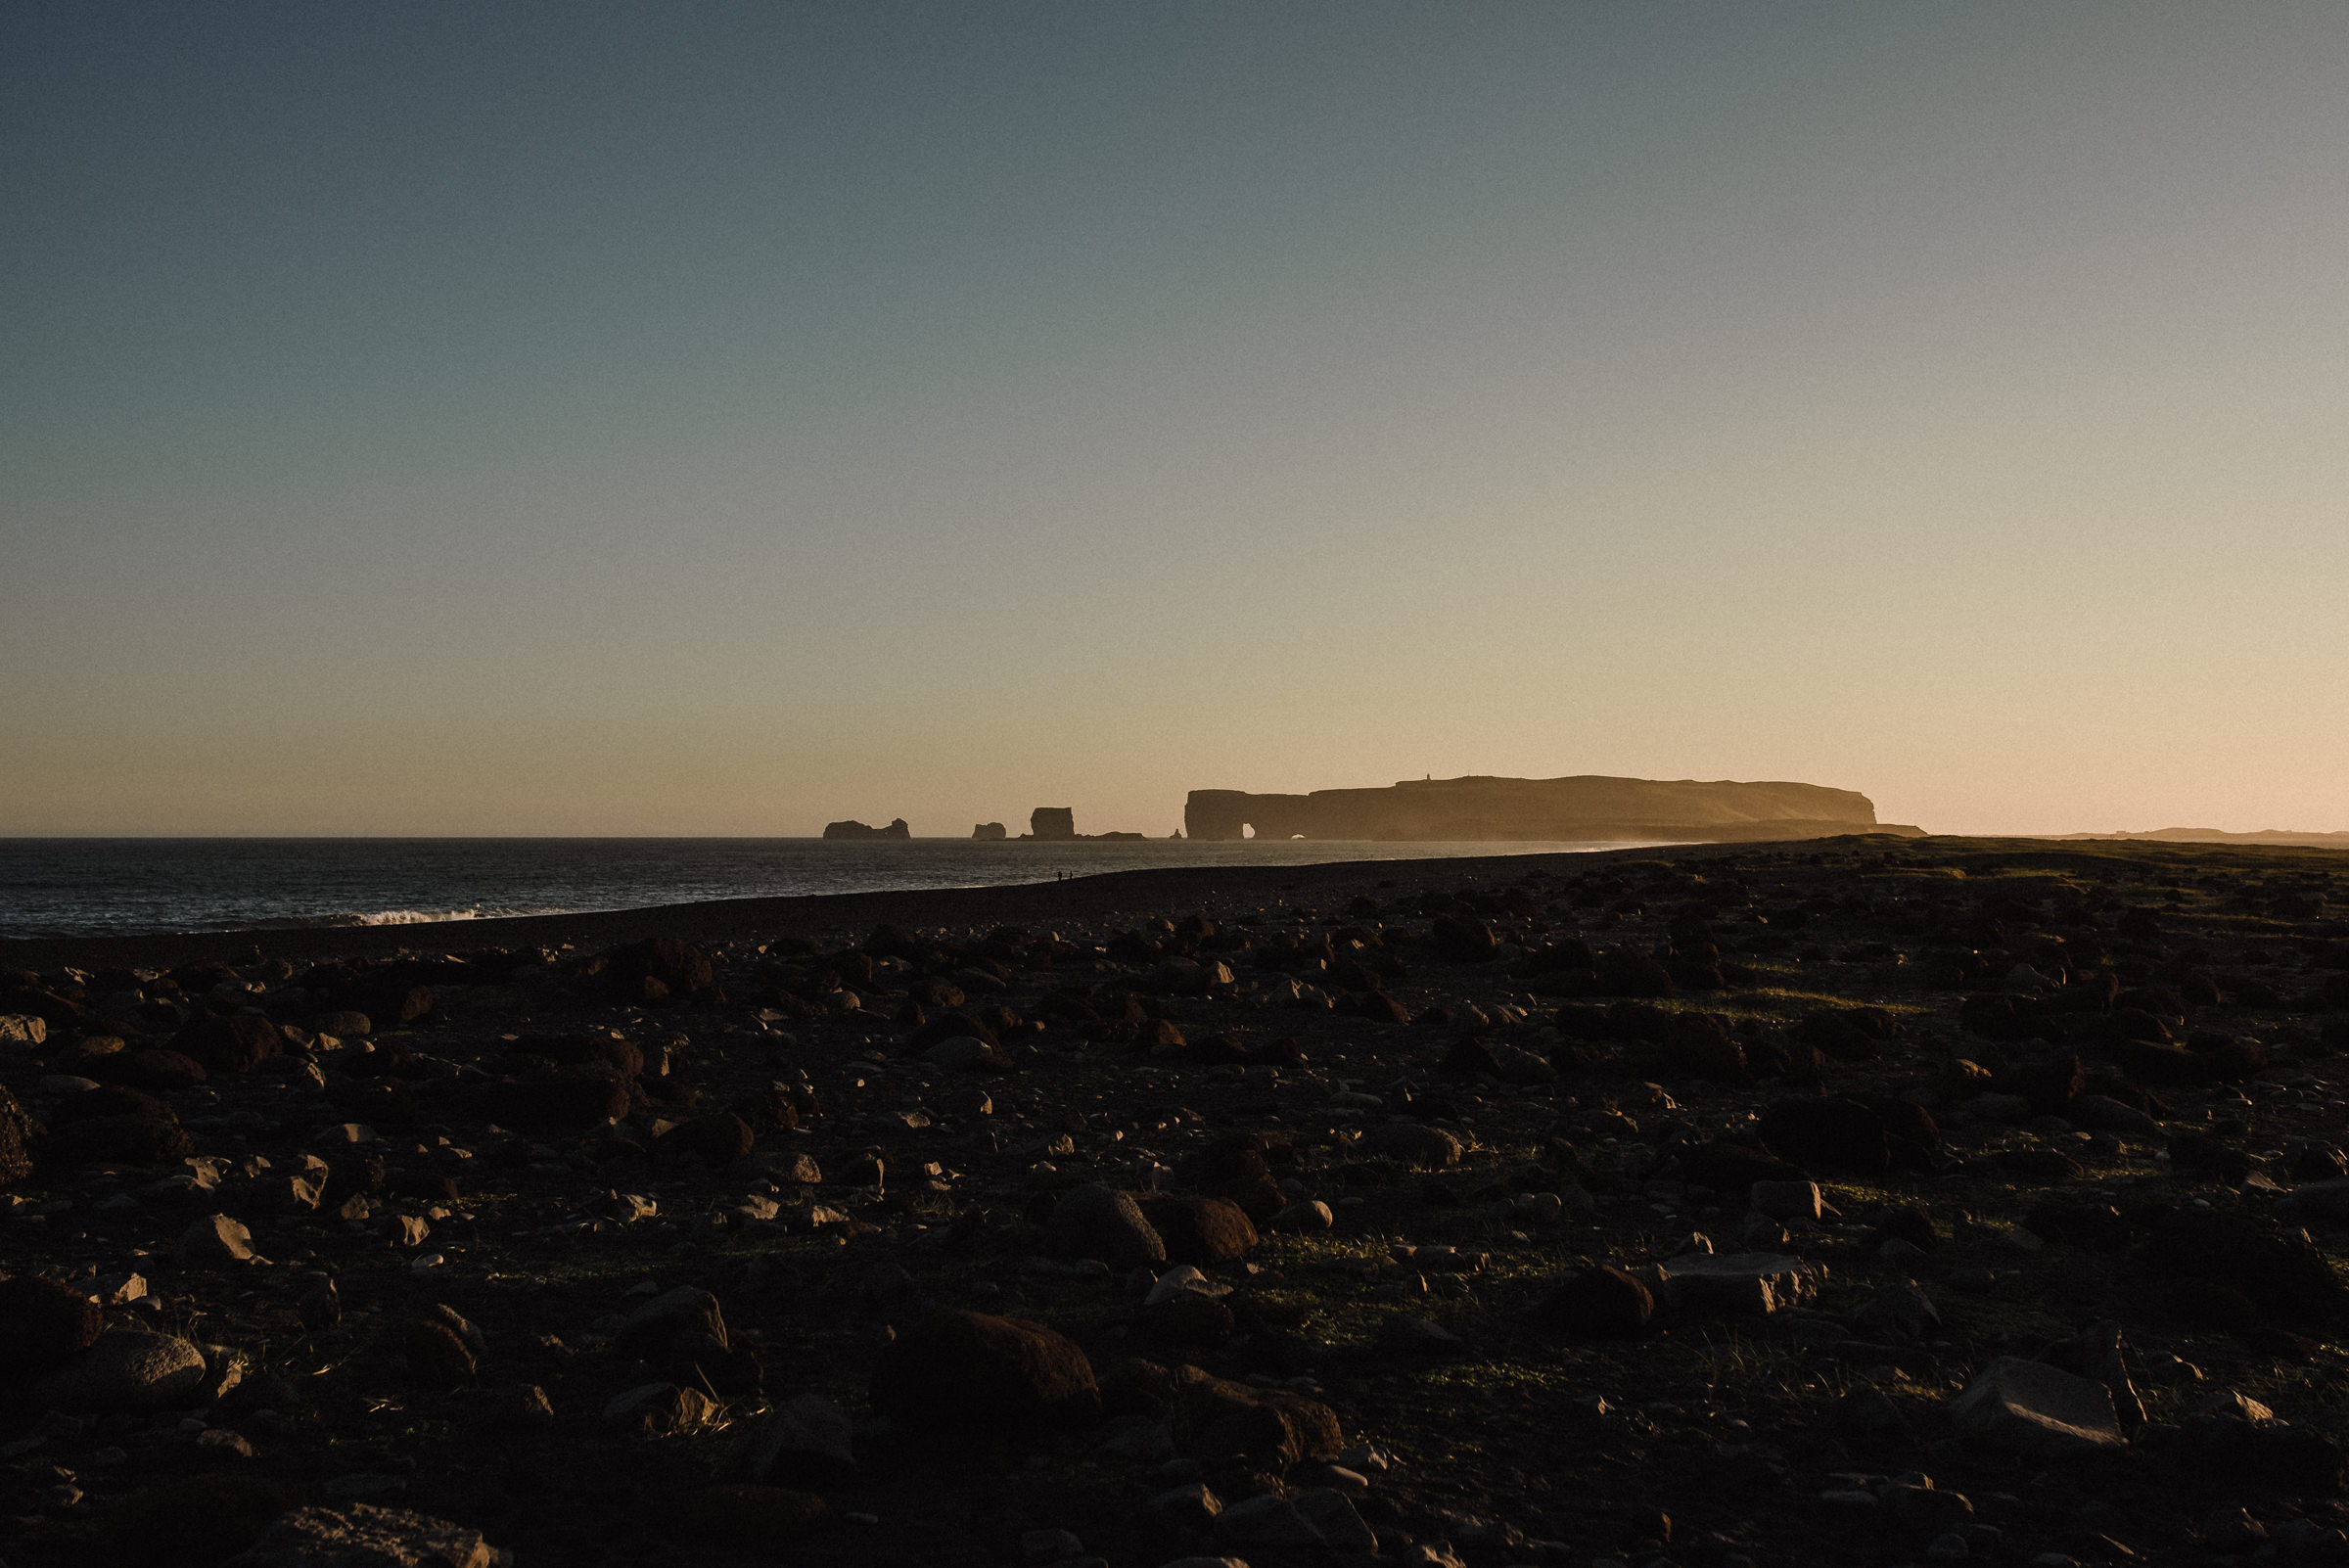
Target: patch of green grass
x,y
1759,1368
1496,1374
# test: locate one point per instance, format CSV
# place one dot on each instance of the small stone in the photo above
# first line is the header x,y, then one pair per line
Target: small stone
x,y
1745,1284
42,1325
121,1290
1097,1222
1786,1200
1352,1483
1269,1521
2232,1529
806,1438
20,1029
1601,1303
1331,1514
661,1410
125,1369
1191,1507
363,1535
2036,1408
519,1408
213,1242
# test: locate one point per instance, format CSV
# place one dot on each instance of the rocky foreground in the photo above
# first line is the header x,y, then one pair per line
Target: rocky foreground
x,y
1863,1202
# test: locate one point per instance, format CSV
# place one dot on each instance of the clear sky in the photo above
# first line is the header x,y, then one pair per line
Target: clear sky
x,y
716,418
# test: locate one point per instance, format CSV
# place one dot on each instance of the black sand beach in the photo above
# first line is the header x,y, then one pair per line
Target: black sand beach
x,y
1849,1201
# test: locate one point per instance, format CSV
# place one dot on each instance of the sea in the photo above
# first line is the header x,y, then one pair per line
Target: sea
x,y
136,887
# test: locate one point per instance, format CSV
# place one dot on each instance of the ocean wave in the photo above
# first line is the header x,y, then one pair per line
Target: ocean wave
x,y
398,917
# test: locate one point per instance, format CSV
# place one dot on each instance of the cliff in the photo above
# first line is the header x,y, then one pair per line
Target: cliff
x,y
1583,807
897,829
1057,824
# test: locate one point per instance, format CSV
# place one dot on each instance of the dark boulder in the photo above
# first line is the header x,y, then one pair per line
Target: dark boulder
x,y
119,1140
436,1356
560,1102
2280,1272
1267,1427
2157,1062
964,1374
659,968
155,1071
1098,1222
1204,1231
204,1519
1233,1168
768,1110
1601,1303
683,1335
717,1140
1820,1133
1839,1035
2050,1085
235,1042
1733,1168
1625,973
1462,939
42,1325
1700,1045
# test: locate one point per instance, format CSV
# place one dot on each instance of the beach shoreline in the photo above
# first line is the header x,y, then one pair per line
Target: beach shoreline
x,y
1102,896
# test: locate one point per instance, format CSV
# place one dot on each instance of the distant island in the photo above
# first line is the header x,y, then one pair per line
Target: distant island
x,y
1586,808
1057,824
897,829
989,832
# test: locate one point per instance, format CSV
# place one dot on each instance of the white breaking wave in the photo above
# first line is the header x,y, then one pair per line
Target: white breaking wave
x,y
403,917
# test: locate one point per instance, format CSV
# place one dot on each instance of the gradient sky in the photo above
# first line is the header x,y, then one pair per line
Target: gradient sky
x,y
713,418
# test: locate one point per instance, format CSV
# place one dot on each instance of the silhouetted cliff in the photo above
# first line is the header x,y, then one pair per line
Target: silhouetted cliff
x,y
1583,807
897,829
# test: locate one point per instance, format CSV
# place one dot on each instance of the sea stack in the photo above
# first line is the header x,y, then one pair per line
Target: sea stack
x,y
991,832
897,829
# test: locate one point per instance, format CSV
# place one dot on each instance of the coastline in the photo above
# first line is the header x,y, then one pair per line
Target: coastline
x,y
1103,896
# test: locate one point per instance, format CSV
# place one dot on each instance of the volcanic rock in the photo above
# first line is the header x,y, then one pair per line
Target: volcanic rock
x,y
964,1373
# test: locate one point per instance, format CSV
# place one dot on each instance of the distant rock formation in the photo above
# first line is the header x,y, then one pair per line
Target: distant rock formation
x,y
2287,837
1582,809
992,832
1057,824
897,829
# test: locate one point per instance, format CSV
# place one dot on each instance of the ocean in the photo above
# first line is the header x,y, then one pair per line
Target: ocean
x,y
131,887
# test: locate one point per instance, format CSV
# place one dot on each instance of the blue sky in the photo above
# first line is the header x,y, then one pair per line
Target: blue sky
x,y
713,418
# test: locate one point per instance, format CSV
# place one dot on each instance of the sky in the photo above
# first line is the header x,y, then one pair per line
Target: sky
x,y
706,418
